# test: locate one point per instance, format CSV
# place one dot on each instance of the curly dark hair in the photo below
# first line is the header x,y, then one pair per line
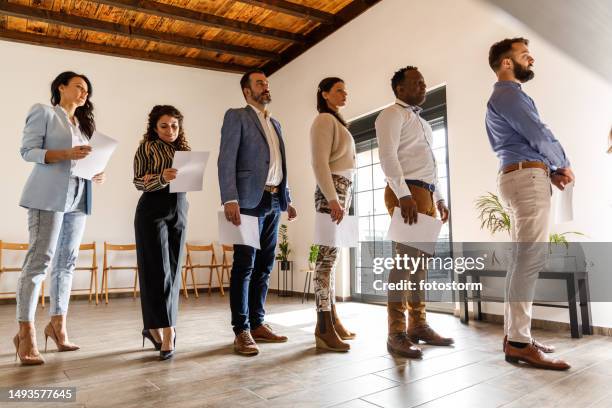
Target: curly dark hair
x,y
84,114
157,112
398,77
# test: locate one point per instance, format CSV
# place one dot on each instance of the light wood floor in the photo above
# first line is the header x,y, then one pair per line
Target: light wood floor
x,y
112,369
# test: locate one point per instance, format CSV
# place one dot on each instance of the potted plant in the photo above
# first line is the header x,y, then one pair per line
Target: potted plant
x,y
312,256
559,239
492,214
283,248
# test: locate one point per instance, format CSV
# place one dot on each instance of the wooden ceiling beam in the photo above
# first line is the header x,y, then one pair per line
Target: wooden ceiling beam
x,y
191,16
84,23
293,9
348,13
67,44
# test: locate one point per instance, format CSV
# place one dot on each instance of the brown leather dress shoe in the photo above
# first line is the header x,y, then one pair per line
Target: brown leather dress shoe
x,y
543,347
535,357
399,344
265,334
429,336
245,345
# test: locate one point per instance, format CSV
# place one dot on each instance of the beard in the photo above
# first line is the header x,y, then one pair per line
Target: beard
x,y
521,73
264,98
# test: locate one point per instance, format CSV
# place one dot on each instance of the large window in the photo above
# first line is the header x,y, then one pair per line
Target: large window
x,y
369,203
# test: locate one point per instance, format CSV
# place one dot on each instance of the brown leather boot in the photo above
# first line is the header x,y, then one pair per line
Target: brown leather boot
x,y
428,335
326,337
535,357
399,344
540,346
340,329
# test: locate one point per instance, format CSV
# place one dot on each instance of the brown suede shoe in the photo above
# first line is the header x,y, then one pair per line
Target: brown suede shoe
x,y
543,347
399,344
535,357
429,336
245,345
265,334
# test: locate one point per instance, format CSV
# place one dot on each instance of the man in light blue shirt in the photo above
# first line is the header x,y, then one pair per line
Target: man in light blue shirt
x,y
531,158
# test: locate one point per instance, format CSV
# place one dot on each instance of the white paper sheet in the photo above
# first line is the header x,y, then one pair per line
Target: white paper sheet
x,y
190,174
564,208
247,233
343,235
102,148
422,235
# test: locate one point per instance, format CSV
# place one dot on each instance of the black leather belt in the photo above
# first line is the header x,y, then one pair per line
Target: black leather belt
x,y
422,184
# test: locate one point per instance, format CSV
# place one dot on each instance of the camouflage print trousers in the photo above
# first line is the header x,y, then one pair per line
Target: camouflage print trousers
x,y
324,281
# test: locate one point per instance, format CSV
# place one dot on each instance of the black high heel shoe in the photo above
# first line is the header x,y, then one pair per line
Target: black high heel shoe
x,y
147,334
168,354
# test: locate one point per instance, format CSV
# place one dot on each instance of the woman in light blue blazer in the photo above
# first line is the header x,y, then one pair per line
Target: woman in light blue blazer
x,y
54,138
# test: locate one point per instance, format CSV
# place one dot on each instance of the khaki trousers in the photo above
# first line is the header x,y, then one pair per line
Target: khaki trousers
x,y
526,193
398,302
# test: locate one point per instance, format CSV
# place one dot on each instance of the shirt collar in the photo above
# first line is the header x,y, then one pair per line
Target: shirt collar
x,y
415,109
265,113
507,84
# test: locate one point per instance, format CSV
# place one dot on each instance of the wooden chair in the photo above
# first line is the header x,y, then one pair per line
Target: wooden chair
x,y
93,269
107,267
190,268
226,262
11,246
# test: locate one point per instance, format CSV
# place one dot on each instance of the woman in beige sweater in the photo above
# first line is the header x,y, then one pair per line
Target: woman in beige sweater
x,y
333,162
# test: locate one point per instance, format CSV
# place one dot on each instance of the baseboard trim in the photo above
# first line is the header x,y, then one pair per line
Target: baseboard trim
x,y
544,324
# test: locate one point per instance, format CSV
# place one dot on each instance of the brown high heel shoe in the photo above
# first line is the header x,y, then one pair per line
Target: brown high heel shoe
x,y
50,332
27,360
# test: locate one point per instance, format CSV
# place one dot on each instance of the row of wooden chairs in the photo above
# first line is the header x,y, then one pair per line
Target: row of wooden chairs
x,y
222,269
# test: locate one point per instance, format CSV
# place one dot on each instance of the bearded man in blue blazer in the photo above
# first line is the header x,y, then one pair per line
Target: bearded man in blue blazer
x,y
252,173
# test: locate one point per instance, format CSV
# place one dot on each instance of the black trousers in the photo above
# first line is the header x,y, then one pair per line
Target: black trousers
x,y
160,225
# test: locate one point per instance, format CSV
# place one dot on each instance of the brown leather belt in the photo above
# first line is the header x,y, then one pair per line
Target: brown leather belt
x,y
271,189
524,165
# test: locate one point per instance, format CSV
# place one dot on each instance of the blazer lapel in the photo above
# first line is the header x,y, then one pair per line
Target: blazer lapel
x,y
255,119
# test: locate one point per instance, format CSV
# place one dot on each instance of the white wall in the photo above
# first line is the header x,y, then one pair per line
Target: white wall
x,y
449,41
124,91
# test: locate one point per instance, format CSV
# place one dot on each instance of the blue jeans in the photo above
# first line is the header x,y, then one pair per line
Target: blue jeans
x,y
252,267
53,236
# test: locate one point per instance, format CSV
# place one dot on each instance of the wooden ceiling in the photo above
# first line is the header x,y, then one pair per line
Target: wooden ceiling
x,y
225,35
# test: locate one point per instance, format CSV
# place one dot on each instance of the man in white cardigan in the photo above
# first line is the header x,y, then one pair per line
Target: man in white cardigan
x,y
406,158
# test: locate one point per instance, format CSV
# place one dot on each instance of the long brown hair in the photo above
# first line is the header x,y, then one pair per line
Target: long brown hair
x,y
157,112
322,107
84,114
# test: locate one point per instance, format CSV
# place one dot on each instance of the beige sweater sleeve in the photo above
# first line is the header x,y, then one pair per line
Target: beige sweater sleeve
x,y
321,142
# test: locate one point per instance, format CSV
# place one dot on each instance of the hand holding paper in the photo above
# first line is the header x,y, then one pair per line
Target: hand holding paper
x,y
190,171
247,233
343,235
564,211
423,235
102,148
